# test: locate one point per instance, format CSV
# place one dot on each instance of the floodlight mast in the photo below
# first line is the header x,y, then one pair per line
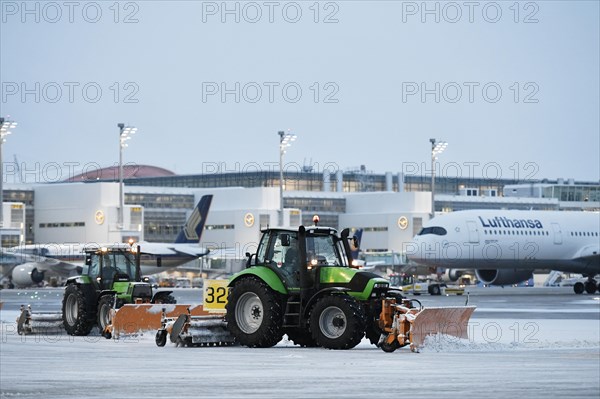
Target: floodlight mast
x,y
285,141
125,134
6,125
437,147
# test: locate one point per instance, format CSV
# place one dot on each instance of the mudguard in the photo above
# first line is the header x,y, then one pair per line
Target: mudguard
x,y
265,274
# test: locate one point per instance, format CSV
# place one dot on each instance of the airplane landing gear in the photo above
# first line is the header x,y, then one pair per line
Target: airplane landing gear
x,y
590,286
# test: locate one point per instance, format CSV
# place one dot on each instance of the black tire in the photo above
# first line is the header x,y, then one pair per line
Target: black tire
x,y
76,319
578,287
301,337
103,315
337,322
254,313
168,299
590,287
389,348
161,338
373,332
435,290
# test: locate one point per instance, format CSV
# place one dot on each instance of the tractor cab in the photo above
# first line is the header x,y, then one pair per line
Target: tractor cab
x,y
297,254
107,265
117,268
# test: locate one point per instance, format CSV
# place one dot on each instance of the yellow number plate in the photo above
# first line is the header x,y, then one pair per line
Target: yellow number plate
x,y
215,295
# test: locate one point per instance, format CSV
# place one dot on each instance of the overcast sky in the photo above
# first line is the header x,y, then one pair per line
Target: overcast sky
x,y
512,87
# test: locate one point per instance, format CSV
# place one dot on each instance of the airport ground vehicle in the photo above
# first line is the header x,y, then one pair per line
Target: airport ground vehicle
x,y
411,285
111,279
300,283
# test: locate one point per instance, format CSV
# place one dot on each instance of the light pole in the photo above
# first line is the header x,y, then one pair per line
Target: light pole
x,y
437,147
5,127
285,141
125,133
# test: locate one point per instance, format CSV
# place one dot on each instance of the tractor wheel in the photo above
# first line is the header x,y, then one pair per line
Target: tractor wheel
x,y
373,332
104,308
337,322
76,319
254,314
301,337
165,299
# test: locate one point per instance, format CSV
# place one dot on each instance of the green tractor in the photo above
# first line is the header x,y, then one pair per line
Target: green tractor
x,y
302,283
111,279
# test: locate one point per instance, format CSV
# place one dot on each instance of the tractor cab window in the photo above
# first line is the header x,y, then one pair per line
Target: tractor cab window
x,y
94,268
115,263
283,256
124,263
261,254
321,250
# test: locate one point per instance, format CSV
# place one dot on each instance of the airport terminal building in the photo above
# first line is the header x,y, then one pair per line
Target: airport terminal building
x,y
390,208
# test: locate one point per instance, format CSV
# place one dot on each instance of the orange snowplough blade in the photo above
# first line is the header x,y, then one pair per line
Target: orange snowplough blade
x,y
133,318
451,321
405,324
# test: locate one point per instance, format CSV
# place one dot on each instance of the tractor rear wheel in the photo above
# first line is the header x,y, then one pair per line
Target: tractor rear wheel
x,y
254,313
76,319
337,322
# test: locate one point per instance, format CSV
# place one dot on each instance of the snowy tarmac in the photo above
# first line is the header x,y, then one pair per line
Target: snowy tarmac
x,y
535,344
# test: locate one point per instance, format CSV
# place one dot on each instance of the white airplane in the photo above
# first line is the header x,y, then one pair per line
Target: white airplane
x,y
68,259
504,247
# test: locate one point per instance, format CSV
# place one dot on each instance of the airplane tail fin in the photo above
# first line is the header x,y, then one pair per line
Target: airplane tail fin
x,y
192,230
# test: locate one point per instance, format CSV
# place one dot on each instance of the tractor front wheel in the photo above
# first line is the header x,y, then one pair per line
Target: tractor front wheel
x,y
254,313
337,322
105,306
76,318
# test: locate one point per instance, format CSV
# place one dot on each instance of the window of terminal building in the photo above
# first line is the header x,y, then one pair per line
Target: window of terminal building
x,y
264,220
219,227
417,225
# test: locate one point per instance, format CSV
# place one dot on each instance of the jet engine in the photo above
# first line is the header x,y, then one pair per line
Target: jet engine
x,y
503,277
26,275
454,274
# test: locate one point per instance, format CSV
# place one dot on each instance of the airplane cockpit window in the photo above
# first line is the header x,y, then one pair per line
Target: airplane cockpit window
x,y
440,231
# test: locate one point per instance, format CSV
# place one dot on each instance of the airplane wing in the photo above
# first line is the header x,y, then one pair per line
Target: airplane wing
x,y
57,266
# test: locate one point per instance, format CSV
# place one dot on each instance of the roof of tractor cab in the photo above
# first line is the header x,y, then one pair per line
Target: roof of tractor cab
x,y
93,248
309,229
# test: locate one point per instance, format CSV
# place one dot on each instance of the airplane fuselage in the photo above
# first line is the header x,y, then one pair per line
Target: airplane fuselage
x,y
497,239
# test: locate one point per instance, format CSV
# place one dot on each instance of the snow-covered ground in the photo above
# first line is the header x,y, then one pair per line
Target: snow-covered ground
x,y
503,357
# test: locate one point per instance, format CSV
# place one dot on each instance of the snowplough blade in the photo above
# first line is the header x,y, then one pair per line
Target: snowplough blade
x,y
135,318
403,324
29,322
451,321
188,330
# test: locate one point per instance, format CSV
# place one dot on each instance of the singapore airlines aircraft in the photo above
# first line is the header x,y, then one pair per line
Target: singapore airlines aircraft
x,y
68,259
504,247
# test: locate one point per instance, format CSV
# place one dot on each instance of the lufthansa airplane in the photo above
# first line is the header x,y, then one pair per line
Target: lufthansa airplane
x,y
68,259
504,247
